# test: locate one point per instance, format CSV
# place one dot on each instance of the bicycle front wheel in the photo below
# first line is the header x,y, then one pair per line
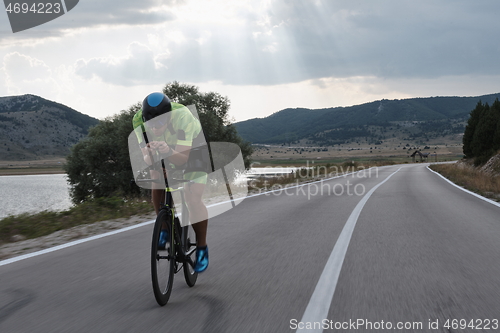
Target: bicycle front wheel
x,y
162,259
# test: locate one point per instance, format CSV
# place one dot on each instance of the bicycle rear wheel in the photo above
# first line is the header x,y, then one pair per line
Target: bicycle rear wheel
x,y
162,260
189,241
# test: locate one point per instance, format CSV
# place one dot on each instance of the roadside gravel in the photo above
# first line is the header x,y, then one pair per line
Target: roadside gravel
x,y
21,247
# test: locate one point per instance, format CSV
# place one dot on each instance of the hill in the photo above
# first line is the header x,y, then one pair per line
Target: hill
x,y
419,120
32,128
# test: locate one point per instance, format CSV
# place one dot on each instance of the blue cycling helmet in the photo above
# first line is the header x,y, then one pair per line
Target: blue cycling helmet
x,y
155,104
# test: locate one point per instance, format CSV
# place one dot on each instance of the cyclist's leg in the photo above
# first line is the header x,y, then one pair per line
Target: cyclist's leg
x,y
157,196
198,216
158,192
200,230
198,211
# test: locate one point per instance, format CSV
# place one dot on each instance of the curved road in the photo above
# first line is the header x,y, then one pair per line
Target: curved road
x,y
399,246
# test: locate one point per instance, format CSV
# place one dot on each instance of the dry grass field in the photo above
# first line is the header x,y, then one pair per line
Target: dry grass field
x,y
35,167
398,153
480,180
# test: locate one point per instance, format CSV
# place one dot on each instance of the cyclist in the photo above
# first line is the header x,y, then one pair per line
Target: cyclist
x,y
176,133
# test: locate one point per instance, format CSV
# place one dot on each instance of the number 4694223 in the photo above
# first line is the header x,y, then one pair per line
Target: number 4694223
x,y
35,8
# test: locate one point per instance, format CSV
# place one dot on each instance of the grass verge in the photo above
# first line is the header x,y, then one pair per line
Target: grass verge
x,y
471,178
46,222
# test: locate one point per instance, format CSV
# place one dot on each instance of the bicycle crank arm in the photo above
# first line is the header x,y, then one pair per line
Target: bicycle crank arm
x,y
164,257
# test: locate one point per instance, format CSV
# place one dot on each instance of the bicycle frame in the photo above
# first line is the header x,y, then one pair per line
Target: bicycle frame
x,y
179,234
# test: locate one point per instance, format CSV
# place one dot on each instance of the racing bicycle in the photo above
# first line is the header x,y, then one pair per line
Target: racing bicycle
x,y
180,250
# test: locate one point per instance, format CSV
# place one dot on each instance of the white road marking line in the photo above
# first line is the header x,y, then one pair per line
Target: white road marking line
x,y
465,190
62,246
321,299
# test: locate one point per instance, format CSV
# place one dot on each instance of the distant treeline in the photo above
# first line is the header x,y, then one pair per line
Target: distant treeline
x,y
418,119
482,134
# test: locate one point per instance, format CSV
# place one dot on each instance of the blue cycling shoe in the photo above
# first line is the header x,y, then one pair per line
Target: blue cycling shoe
x,y
162,241
201,259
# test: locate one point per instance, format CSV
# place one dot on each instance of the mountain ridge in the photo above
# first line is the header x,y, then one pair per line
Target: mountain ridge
x,y
32,127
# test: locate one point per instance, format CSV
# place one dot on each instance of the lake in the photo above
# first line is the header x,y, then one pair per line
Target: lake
x,y
33,193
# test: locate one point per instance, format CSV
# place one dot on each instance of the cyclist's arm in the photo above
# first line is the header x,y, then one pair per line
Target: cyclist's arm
x,y
145,149
180,155
142,138
177,156
146,152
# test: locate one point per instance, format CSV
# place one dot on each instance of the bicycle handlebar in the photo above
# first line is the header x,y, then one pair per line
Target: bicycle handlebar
x,y
158,181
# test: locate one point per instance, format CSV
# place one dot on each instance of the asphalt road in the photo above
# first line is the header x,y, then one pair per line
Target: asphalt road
x,y
420,251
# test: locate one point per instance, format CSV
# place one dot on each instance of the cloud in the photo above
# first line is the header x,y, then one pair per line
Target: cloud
x,y
293,41
280,41
20,67
386,39
25,73
140,66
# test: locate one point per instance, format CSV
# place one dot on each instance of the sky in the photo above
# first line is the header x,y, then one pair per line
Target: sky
x,y
264,55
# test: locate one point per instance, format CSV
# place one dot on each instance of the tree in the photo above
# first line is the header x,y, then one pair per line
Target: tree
x,y
481,137
496,136
475,116
99,165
